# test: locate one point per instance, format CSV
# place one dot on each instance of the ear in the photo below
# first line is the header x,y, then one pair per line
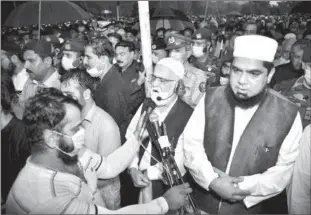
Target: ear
x,y
50,138
270,75
87,94
47,61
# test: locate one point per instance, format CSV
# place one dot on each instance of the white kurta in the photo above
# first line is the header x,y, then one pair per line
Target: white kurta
x,y
192,154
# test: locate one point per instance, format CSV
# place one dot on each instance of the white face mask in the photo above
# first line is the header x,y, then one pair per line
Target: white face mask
x,y
94,72
67,63
223,81
197,51
77,139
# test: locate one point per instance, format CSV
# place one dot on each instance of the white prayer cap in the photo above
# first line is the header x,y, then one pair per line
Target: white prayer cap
x,y
290,36
255,47
103,23
175,66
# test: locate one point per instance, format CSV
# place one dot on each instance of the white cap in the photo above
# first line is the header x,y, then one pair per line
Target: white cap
x,y
174,65
255,47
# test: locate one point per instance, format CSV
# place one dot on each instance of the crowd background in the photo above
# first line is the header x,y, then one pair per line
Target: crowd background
x,y
287,22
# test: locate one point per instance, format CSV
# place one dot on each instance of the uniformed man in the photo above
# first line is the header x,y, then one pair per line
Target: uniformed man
x,y
158,50
72,51
202,59
194,79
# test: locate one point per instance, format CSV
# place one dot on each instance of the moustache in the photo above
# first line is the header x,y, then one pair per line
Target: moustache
x,y
28,71
119,61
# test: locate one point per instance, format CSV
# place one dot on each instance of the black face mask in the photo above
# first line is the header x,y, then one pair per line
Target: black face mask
x,y
245,103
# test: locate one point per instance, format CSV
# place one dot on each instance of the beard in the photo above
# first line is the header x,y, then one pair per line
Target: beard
x,y
64,157
246,103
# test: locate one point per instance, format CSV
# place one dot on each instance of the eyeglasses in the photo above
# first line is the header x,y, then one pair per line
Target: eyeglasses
x,y
162,80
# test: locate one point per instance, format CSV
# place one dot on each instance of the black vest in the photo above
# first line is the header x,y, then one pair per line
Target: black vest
x,y
266,130
175,122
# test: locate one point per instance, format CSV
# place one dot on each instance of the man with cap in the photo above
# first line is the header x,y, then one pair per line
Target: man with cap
x,y
158,50
72,51
169,109
179,48
227,143
39,66
202,59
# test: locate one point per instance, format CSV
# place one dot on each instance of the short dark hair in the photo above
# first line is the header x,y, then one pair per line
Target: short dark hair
x,y
45,110
268,65
85,80
7,91
127,44
102,47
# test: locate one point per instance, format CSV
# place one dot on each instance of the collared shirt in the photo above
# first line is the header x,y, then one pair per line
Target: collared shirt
x,y
146,159
30,89
299,190
102,136
262,186
194,81
40,190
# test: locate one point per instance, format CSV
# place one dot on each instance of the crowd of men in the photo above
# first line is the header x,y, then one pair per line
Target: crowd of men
x,y
234,96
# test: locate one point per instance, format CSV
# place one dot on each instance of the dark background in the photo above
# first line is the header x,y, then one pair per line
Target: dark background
x,y
217,8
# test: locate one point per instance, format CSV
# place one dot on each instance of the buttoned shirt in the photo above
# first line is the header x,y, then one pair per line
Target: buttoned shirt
x,y
102,136
262,186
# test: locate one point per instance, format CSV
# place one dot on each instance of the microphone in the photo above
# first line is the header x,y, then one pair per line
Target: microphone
x,y
148,112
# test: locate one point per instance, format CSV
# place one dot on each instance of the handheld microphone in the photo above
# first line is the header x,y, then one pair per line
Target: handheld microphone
x,y
148,112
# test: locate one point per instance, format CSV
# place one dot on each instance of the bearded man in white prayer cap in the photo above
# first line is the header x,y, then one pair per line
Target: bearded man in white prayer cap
x,y
166,87
241,141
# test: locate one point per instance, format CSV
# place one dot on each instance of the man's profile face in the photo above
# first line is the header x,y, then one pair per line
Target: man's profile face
x,y
72,123
248,77
296,57
90,59
34,65
73,88
123,56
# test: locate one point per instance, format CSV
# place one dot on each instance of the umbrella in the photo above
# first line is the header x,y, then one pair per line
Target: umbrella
x,y
169,18
52,12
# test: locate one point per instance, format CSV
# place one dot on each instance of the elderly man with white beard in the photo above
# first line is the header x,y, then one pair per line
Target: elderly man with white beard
x,y
169,109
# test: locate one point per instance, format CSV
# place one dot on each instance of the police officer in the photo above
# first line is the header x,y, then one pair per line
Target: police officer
x,y
158,50
179,48
201,57
72,51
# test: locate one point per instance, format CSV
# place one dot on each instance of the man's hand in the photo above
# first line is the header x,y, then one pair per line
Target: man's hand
x,y
91,177
226,187
141,78
176,196
139,179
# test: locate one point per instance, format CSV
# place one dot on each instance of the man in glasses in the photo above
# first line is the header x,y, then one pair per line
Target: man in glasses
x,y
166,84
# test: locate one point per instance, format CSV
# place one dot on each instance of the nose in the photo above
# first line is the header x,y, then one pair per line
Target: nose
x,y
26,65
243,78
85,60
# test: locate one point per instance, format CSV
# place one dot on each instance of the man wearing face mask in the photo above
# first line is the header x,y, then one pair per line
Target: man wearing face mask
x,y
72,54
60,176
299,90
201,43
158,50
170,109
179,48
293,69
112,93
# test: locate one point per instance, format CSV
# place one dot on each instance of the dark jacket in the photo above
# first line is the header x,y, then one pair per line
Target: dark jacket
x,y
112,96
285,72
